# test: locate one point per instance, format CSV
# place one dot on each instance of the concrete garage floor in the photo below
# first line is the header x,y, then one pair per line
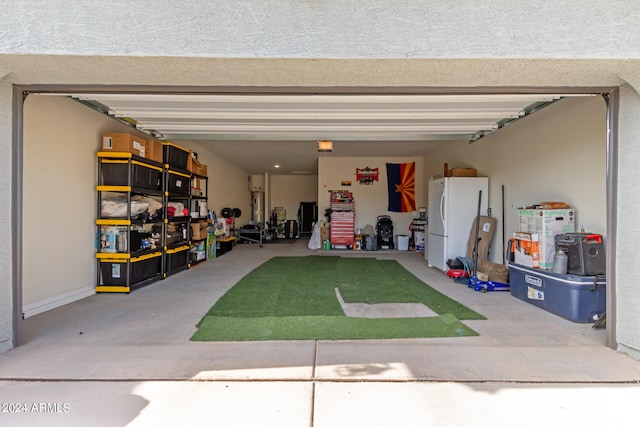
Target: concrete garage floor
x,y
117,360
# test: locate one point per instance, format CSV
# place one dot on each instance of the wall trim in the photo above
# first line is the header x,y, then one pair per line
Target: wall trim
x,y
38,307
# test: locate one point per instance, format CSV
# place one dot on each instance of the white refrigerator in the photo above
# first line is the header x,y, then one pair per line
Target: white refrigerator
x,y
452,208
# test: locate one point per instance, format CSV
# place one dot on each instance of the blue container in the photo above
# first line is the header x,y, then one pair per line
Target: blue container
x,y
576,298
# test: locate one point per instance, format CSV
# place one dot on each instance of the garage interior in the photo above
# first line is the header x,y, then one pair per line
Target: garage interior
x,y
543,145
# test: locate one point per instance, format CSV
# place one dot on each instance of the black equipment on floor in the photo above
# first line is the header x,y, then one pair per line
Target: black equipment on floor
x,y
307,216
251,233
291,229
384,230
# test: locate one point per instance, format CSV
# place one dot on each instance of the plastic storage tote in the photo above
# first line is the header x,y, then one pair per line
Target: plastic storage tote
x,y
178,183
128,271
175,156
576,298
176,259
138,175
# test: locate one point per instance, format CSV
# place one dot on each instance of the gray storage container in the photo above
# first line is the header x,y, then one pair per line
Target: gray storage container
x,y
585,252
371,243
576,298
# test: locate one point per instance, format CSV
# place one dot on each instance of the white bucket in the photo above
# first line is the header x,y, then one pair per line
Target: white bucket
x,y
403,242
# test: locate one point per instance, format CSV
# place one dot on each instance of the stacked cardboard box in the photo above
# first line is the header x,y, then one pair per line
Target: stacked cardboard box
x,y
463,172
124,142
526,249
547,223
154,150
194,166
199,230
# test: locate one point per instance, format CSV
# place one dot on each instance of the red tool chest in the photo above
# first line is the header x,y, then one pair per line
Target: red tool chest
x,y
342,231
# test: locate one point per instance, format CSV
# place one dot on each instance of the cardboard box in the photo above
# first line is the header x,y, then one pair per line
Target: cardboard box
x,y
526,249
463,172
195,167
154,150
124,142
196,186
191,163
547,223
224,227
199,230
324,233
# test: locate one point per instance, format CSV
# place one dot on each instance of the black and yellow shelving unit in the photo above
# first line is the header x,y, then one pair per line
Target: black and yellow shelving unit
x,y
177,219
129,242
147,216
199,221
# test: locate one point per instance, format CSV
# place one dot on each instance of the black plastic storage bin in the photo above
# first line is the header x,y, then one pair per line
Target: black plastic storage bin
x,y
144,176
178,182
114,270
176,259
175,156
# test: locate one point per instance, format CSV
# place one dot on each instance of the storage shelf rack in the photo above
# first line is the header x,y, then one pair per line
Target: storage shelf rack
x,y
126,258
135,249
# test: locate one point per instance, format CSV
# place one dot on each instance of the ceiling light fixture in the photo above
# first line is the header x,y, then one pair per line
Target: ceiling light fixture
x,y
276,166
325,146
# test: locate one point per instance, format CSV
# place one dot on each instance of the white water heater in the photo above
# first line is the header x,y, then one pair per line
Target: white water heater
x,y
257,211
256,183
256,186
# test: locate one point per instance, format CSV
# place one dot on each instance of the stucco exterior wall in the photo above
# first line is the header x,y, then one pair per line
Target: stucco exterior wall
x,y
627,260
324,29
330,43
6,293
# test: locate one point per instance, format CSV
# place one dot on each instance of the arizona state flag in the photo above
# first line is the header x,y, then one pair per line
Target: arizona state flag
x,y
401,181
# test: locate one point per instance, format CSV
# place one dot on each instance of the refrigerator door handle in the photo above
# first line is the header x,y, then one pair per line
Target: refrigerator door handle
x,y
442,209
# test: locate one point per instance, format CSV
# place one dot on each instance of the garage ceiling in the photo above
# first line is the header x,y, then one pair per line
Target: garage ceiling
x,y
258,131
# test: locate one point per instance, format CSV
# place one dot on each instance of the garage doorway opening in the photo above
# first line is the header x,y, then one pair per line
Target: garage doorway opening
x,y
609,94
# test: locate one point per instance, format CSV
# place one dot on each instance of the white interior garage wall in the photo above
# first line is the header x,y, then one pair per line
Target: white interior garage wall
x,y
289,190
61,138
556,154
370,200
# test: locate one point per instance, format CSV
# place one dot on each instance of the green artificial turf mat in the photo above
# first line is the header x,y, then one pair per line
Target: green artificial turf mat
x,y
293,298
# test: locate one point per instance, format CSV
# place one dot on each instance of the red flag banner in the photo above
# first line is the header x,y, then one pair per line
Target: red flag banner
x,y
401,182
